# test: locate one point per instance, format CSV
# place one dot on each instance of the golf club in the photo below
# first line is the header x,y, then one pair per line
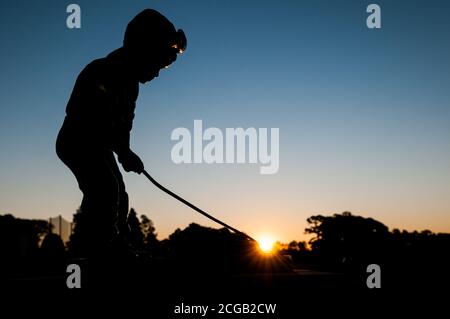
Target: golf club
x,y
244,235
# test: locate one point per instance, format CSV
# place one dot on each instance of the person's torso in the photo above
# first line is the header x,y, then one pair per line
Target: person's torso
x,y
102,97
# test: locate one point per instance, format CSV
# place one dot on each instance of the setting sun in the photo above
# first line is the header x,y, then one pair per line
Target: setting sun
x,y
266,244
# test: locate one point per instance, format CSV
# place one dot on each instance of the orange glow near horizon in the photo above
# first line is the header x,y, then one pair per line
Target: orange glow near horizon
x,y
266,244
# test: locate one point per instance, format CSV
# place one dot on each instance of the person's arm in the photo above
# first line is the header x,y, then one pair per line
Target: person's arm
x,y
91,105
122,125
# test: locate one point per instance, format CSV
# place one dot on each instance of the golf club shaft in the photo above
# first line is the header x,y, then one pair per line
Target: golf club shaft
x,y
194,207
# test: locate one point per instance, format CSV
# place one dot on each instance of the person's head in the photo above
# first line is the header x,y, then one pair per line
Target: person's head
x,y
152,43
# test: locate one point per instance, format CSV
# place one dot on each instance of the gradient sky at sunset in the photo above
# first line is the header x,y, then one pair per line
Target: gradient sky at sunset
x,y
363,114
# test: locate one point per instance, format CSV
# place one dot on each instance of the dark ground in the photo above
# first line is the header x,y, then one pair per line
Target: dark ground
x,y
153,289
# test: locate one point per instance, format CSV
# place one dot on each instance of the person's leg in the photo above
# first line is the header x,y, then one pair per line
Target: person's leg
x,y
123,204
100,187
103,193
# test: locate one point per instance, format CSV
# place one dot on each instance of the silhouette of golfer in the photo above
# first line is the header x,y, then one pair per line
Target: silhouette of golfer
x,y
98,122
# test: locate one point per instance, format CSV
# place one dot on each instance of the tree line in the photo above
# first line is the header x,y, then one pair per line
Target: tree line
x,y
340,242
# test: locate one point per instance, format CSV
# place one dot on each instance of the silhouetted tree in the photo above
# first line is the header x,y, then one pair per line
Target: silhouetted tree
x,y
77,241
136,236
52,246
151,243
19,245
345,239
20,237
53,253
297,246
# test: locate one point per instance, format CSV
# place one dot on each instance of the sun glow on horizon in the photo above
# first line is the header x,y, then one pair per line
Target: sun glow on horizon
x,y
266,244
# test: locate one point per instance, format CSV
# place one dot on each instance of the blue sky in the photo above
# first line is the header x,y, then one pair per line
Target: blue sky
x,y
363,114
